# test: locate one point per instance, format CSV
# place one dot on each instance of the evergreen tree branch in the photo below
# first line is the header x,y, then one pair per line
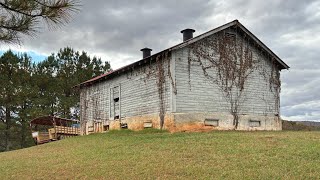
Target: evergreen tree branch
x,y
23,17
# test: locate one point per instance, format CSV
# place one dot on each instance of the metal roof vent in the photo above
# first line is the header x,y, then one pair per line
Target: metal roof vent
x,y
187,34
146,52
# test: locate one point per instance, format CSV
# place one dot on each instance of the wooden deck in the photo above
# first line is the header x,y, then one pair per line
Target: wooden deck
x,y
64,130
56,133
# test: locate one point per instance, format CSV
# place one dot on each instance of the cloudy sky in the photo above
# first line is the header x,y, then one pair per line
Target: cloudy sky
x,y
116,31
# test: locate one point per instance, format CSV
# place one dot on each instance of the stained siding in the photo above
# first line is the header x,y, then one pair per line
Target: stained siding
x,y
199,94
139,94
94,102
195,93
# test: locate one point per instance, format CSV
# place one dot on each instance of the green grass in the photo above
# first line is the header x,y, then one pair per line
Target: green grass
x,y
155,154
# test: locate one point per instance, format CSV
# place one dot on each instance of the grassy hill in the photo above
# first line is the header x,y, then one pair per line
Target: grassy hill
x,y
153,154
301,125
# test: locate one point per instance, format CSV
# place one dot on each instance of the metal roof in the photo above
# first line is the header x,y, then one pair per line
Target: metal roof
x,y
50,120
235,23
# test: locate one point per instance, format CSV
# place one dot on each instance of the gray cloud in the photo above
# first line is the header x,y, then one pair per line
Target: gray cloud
x,y
121,28
117,30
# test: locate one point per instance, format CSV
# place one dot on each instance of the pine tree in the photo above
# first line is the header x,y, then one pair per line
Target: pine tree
x,y
23,17
9,80
25,95
74,69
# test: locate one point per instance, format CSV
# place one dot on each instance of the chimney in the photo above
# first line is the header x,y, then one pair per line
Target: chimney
x,y
187,34
146,52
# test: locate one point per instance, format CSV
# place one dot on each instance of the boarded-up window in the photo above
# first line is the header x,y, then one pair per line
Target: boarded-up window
x,y
230,38
115,102
254,123
147,124
211,122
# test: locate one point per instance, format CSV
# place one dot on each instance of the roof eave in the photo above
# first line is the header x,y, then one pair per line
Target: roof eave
x,y
223,27
261,44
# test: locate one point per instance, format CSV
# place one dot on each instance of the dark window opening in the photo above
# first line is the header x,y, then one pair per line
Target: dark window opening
x,y
211,122
105,127
230,37
124,125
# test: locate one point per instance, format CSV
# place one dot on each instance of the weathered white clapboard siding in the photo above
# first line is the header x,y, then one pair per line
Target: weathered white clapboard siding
x,y
201,95
138,95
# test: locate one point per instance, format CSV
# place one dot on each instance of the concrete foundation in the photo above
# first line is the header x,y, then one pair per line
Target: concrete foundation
x,y
177,122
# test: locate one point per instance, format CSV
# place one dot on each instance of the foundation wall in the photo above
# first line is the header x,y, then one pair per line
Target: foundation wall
x,y
177,122
138,122
225,121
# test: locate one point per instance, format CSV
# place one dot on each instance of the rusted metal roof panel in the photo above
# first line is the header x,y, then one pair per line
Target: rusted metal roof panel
x,y
51,120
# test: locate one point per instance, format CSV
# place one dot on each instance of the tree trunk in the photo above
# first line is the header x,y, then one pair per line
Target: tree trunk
x,y
52,109
161,120
7,131
235,120
23,133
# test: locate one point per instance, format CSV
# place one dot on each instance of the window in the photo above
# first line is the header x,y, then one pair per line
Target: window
x,y
211,122
254,123
230,37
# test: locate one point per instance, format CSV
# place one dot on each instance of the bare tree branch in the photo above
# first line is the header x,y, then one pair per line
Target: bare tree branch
x,y
229,69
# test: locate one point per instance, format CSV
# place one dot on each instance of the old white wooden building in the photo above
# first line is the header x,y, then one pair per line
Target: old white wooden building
x,y
224,79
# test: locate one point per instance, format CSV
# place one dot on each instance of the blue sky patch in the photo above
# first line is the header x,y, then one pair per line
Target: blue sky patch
x,y
35,57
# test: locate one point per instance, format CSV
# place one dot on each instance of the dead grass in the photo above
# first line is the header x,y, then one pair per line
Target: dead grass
x,y
154,154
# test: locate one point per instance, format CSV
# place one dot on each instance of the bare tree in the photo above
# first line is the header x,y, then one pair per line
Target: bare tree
x,y
20,17
227,61
160,74
161,86
272,79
